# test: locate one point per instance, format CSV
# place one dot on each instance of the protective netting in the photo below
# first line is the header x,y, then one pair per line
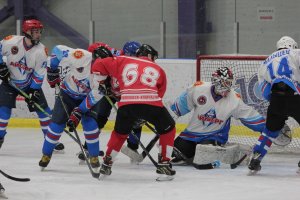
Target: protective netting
x,y
245,72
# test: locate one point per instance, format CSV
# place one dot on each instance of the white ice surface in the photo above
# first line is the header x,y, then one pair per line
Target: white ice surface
x,y
64,179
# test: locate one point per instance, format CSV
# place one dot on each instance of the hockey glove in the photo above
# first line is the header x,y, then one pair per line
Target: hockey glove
x,y
34,97
74,119
4,73
53,77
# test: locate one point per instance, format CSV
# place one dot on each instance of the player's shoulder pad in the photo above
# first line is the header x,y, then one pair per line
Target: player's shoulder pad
x,y
9,37
78,53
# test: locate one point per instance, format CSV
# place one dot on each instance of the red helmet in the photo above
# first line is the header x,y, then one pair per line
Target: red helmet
x,y
31,24
95,45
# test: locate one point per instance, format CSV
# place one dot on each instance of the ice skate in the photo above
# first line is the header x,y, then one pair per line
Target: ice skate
x,y
254,165
105,169
164,170
44,162
95,164
2,194
1,142
298,171
59,148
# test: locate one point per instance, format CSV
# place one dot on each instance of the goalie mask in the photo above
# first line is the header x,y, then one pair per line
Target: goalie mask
x,y
286,42
222,80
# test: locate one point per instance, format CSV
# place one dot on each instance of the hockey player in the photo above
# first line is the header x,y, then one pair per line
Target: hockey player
x,y
213,103
279,78
130,49
142,85
77,99
25,68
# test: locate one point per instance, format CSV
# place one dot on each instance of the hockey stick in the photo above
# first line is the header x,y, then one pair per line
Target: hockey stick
x,y
237,163
14,178
94,174
24,94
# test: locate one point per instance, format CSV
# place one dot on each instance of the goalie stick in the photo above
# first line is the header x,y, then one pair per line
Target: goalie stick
x,y
14,178
211,165
234,165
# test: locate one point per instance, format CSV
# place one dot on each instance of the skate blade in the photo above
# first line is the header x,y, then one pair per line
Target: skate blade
x,y
252,172
298,171
82,162
164,177
42,169
3,196
59,151
102,177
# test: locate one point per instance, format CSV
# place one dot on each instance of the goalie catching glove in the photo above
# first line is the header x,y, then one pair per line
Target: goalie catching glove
x,y
74,119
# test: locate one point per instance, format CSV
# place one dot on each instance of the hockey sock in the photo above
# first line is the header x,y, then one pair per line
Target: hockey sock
x,y
5,113
44,119
51,139
115,142
91,134
264,142
166,142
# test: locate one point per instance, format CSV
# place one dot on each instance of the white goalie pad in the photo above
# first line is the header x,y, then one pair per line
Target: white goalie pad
x,y
134,156
285,136
229,154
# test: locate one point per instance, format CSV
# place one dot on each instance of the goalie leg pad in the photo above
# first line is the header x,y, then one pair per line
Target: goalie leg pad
x,y
228,154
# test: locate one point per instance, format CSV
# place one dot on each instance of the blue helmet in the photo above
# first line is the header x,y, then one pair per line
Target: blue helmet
x,y
130,48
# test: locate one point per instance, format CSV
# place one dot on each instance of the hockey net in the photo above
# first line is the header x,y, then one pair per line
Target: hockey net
x,y
245,71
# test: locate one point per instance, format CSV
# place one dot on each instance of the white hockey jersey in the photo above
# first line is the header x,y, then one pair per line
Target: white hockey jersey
x,y
27,66
75,70
211,117
280,66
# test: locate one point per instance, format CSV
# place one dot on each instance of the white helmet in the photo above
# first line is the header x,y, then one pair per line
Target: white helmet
x,y
286,42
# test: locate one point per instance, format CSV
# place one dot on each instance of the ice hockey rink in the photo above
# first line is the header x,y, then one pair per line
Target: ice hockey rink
x,y
65,179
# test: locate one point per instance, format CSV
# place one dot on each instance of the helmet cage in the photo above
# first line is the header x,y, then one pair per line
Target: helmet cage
x,y
222,79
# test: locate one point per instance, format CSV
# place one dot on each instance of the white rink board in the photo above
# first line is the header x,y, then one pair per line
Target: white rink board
x,y
180,74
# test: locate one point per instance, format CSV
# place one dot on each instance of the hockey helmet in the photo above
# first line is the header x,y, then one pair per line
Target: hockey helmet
x,y
131,47
286,42
30,25
145,50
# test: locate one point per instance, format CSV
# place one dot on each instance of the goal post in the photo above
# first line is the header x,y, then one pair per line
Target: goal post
x,y
245,69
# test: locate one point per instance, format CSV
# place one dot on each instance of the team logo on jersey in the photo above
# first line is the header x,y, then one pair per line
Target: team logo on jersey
x,y
21,65
78,54
210,118
202,100
14,50
82,85
8,37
